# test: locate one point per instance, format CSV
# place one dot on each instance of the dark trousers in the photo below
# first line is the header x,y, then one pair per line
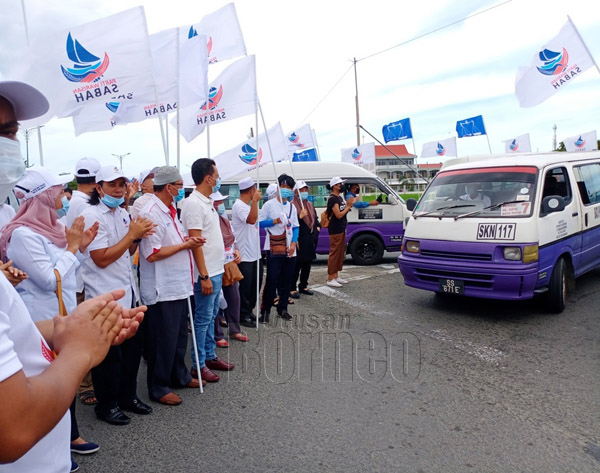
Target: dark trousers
x,y
248,287
280,274
74,427
166,347
115,379
232,313
302,271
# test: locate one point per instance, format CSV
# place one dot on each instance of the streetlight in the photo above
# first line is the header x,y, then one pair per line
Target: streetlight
x,y
121,156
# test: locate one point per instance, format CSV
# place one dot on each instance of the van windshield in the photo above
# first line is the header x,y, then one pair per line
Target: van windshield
x,y
480,193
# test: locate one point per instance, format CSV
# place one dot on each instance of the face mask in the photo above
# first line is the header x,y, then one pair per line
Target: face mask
x,y
221,209
180,195
65,207
304,195
217,186
287,194
112,202
350,194
12,166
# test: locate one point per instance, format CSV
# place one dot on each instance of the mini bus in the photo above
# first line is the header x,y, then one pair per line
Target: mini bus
x,y
370,231
506,227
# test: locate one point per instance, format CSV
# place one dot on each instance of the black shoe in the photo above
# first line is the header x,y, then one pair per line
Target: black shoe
x,y
253,317
285,315
295,295
308,292
137,407
248,322
114,416
264,318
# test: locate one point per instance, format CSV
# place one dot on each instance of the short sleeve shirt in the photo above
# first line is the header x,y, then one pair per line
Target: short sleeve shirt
x,y
246,235
287,212
336,225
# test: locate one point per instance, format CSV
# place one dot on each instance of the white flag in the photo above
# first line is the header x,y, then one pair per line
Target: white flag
x,y
300,139
182,83
584,142
520,144
556,64
223,33
231,95
92,63
439,149
359,155
246,156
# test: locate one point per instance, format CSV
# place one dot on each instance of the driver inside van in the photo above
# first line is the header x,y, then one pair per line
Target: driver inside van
x,y
473,192
353,190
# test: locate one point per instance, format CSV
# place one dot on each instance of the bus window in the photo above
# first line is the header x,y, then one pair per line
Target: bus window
x,y
588,181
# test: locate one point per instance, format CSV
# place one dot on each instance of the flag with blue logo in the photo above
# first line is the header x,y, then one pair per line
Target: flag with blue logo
x,y
554,65
396,131
306,155
470,127
359,155
519,144
583,142
301,138
440,149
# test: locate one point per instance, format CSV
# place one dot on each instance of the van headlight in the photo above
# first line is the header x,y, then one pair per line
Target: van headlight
x,y
412,246
512,253
530,253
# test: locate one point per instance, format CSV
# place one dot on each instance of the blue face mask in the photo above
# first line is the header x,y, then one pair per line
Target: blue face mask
x,y
287,194
180,195
221,209
65,207
304,195
112,202
217,186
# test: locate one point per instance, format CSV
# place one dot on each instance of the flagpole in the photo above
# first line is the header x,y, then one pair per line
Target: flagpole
x,y
583,42
257,309
177,111
270,152
486,135
167,132
39,131
195,344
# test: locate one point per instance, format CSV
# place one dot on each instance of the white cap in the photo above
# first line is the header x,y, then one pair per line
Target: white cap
x,y
27,101
336,180
109,174
38,179
272,189
87,167
145,174
217,196
246,183
300,185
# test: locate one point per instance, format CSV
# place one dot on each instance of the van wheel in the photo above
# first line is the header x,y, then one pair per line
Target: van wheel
x,y
366,250
556,298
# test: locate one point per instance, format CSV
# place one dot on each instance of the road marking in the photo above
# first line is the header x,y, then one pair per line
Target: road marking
x,y
484,353
352,301
386,266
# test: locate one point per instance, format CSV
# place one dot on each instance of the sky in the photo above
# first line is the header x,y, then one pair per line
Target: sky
x,y
303,48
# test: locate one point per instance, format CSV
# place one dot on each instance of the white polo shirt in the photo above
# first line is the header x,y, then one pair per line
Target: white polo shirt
x,y
78,203
6,214
246,235
289,216
198,213
23,348
139,204
169,279
39,257
117,275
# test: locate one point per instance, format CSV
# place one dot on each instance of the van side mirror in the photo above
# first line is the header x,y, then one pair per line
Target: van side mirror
x,y
552,203
411,204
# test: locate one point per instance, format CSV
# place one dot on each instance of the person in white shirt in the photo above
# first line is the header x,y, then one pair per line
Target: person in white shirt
x,y
166,282
147,187
6,214
280,219
115,379
473,192
38,384
244,221
200,219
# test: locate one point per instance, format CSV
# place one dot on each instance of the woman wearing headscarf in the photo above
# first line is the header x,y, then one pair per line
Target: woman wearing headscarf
x,y
48,252
307,239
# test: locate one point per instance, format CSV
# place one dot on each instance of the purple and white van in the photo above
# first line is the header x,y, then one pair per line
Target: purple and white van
x,y
506,227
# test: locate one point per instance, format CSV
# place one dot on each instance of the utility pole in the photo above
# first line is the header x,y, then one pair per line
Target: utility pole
x,y
356,100
554,138
121,156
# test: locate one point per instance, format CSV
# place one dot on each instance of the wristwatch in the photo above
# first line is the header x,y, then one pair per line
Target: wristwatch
x,y
203,278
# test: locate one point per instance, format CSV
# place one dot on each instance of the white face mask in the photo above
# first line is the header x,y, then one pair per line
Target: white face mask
x,y
12,166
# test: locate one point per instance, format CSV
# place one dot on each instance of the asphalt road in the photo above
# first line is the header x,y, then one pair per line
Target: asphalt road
x,y
380,377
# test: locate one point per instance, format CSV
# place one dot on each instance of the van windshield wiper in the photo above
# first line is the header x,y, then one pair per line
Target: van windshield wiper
x,y
443,208
489,207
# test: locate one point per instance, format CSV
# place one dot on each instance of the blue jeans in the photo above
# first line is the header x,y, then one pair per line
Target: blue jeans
x,y
204,318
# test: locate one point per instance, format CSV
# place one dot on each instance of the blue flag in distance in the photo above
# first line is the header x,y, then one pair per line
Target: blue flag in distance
x,y
306,155
470,127
399,130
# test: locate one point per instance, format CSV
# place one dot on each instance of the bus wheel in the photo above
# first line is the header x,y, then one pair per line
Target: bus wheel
x,y
556,298
366,250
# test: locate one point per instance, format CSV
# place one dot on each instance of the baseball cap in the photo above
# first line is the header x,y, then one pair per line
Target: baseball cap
x,y
246,183
147,173
336,180
109,174
272,189
300,185
216,196
166,175
27,101
38,179
87,167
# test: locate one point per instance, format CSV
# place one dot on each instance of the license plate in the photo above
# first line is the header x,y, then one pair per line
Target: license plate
x,y
452,286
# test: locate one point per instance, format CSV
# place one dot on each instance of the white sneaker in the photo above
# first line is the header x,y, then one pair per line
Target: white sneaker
x,y
342,281
333,283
